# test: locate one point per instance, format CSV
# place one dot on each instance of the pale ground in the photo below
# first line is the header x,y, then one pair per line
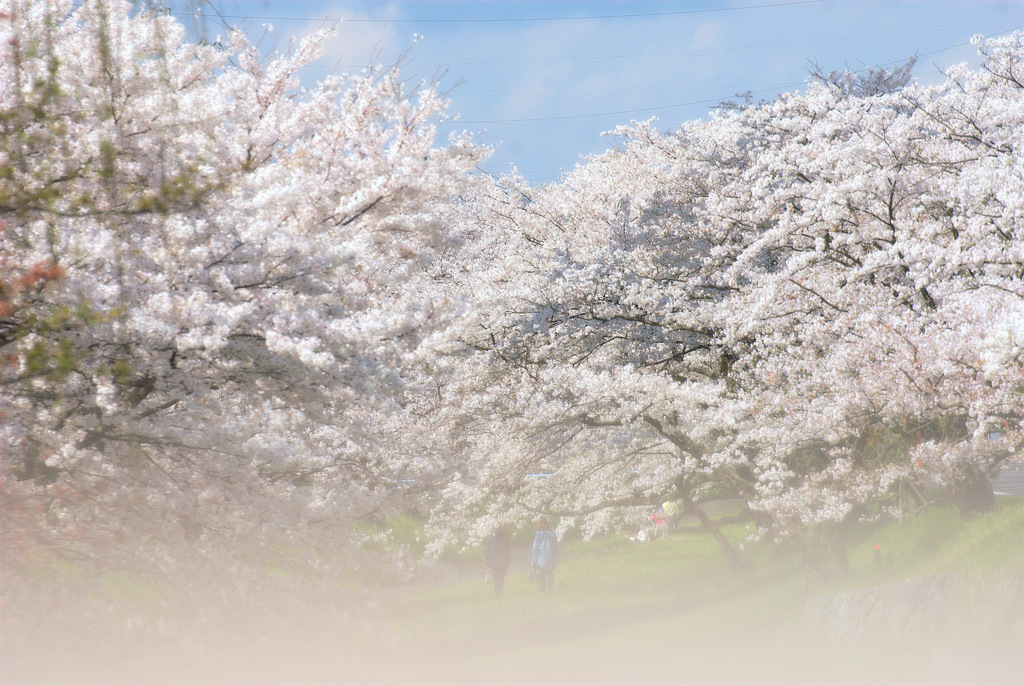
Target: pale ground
x,y
673,643
599,648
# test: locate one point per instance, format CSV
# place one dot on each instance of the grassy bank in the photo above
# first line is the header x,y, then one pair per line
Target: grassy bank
x,y
674,611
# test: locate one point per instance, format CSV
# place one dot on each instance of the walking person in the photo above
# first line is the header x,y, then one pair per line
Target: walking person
x,y
545,550
497,553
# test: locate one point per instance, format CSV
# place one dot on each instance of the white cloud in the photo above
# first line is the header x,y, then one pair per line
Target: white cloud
x,y
356,44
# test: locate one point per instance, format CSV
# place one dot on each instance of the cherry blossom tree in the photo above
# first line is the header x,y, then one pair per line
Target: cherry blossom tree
x,y
888,265
600,371
240,264
792,302
236,312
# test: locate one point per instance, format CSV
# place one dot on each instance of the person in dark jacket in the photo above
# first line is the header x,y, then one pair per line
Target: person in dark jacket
x,y
497,554
545,550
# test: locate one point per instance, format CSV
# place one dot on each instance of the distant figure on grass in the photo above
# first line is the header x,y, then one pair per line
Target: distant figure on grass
x,y
657,520
545,548
672,512
497,554
658,524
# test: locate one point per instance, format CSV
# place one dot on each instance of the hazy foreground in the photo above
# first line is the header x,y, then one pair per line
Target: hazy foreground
x,y
939,609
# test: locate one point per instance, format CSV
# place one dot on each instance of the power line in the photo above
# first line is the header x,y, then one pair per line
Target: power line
x,y
564,93
504,20
958,45
608,114
696,102
566,122
700,51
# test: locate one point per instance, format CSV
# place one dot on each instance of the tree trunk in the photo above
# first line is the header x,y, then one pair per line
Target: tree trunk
x,y
734,559
973,494
825,554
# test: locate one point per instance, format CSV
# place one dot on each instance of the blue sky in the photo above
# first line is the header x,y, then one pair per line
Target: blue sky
x,y
540,81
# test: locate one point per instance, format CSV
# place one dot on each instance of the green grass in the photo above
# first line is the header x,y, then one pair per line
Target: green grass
x,y
938,541
675,611
594,577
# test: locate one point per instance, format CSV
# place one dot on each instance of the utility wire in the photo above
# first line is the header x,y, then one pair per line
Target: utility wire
x,y
537,121
504,20
617,112
961,44
564,93
700,51
696,102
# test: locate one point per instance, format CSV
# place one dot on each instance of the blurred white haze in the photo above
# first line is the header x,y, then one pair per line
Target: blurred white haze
x,y
228,349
